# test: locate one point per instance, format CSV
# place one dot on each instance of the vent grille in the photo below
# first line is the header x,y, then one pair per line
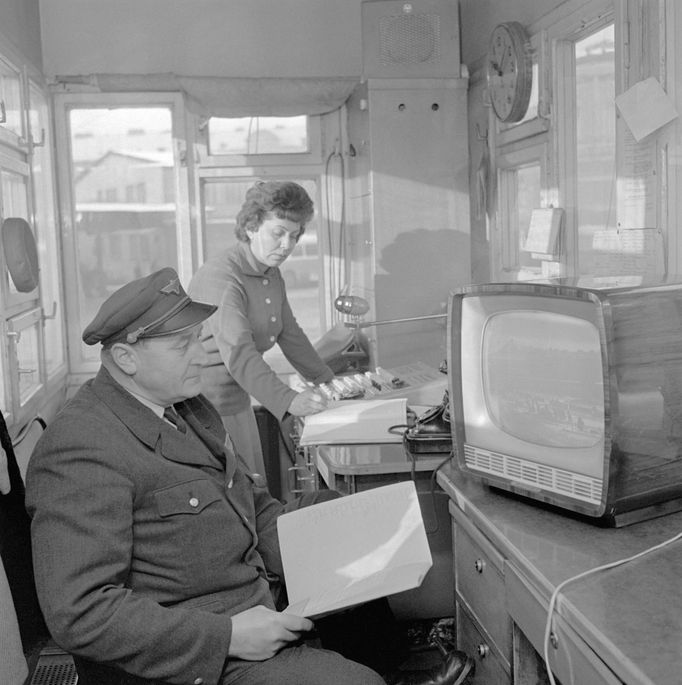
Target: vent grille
x,y
540,476
55,669
409,39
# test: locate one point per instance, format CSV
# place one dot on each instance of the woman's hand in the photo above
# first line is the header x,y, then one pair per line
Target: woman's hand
x,y
307,402
259,633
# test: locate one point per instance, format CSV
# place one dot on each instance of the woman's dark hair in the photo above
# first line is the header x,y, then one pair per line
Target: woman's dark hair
x,y
285,199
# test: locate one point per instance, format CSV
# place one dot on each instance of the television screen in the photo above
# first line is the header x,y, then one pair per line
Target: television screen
x,y
542,378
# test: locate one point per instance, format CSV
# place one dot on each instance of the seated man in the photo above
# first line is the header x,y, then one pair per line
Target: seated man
x,y
155,552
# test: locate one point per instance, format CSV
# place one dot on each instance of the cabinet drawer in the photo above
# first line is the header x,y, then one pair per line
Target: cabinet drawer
x,y
490,669
572,660
479,583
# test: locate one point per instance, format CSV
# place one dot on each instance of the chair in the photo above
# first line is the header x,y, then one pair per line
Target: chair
x,y
47,663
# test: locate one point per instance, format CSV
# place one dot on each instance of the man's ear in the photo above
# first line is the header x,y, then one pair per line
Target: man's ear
x,y
125,357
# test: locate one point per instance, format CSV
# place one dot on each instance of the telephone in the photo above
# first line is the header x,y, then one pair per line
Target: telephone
x,y
431,431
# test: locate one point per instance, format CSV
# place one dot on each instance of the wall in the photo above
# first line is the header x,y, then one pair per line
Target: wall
x,y
304,38
20,28
479,17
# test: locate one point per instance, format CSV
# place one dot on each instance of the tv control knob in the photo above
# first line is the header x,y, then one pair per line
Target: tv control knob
x,y
479,565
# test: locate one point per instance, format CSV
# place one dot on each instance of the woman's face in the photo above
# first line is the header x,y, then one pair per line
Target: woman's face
x,y
274,240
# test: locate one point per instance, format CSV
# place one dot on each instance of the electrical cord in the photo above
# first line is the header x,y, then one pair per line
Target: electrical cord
x,y
554,598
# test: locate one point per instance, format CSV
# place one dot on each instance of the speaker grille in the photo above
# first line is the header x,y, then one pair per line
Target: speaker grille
x,y
409,39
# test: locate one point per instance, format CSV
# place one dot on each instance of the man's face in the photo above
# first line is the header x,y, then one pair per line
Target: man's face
x,y
168,368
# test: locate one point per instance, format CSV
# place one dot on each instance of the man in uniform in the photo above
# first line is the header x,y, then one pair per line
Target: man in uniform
x,y
156,554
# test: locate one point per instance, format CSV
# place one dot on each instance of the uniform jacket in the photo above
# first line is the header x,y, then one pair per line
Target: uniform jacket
x,y
253,314
144,542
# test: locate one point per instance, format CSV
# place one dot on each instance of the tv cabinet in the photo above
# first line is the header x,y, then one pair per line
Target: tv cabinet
x,y
622,625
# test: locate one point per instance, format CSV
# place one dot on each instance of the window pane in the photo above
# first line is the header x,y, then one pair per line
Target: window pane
x,y
596,139
117,239
222,200
15,202
47,231
28,363
528,198
257,135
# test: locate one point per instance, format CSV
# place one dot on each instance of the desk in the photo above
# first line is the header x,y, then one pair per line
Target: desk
x,y
623,625
352,468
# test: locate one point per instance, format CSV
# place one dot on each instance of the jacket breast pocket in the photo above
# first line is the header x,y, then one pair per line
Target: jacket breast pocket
x,y
191,497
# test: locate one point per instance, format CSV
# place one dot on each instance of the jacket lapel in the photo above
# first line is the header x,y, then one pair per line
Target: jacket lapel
x,y
148,427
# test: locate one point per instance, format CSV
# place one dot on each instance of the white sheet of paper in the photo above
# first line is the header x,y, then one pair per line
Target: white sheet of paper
x,y
353,549
645,108
356,421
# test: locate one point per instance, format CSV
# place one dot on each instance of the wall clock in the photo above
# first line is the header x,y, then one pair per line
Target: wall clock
x,y
509,71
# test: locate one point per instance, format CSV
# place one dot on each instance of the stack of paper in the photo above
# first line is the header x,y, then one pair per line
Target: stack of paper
x,y
357,421
353,549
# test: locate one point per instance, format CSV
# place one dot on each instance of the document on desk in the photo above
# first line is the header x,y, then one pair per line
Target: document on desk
x,y
353,549
351,422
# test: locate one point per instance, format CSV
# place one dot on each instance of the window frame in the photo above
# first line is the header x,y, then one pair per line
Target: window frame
x,y
63,104
312,156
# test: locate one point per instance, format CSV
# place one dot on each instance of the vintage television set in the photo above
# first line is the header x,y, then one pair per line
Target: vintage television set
x,y
569,392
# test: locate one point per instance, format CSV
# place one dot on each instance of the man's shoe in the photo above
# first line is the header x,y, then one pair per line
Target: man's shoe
x,y
454,671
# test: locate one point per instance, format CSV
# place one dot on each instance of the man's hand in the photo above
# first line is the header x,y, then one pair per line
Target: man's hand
x,y
259,633
307,402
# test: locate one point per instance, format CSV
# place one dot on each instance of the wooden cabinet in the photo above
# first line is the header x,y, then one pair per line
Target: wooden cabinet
x,y
484,628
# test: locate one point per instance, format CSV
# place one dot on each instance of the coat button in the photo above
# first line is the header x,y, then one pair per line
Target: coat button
x,y
198,681
272,338
268,300
273,319
193,502
265,281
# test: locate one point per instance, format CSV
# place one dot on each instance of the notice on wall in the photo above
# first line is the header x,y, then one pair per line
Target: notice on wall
x,y
636,188
645,107
636,252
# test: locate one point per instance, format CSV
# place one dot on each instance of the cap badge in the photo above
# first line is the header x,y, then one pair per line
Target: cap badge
x,y
172,287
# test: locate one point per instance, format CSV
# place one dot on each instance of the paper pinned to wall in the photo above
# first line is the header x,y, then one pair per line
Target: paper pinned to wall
x,y
631,253
353,549
645,107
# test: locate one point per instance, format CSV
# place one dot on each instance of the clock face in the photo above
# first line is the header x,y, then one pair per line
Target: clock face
x,y
509,71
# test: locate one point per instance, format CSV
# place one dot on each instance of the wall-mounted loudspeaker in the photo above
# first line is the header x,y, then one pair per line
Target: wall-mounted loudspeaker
x,y
417,39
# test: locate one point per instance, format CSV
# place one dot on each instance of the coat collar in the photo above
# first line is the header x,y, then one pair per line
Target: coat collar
x,y
248,264
152,430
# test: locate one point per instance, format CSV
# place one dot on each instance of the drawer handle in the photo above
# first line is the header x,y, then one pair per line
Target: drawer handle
x,y
483,650
479,565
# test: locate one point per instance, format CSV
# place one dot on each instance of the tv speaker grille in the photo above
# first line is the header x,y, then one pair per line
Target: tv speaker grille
x,y
546,478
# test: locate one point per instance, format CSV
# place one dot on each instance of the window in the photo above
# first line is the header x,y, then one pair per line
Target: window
x,y
31,322
563,153
122,157
258,135
595,70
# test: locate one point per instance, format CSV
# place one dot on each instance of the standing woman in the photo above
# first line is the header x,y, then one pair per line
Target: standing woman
x,y
253,314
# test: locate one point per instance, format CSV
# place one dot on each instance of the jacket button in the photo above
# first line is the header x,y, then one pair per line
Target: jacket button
x,y
273,319
268,300
198,681
272,338
265,281
193,502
